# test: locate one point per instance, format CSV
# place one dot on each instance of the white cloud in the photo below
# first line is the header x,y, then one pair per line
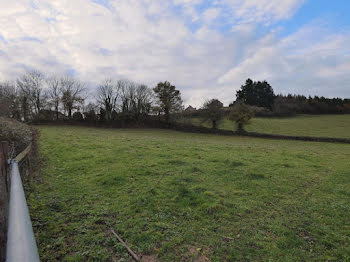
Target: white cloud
x,y
312,61
210,14
150,41
265,11
189,8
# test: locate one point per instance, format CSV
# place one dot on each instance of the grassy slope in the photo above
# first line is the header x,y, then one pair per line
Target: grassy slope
x,y
188,196
303,125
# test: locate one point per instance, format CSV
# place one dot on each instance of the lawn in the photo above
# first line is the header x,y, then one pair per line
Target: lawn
x,y
176,196
302,125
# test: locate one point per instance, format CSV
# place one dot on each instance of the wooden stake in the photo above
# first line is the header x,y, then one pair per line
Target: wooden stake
x,y
134,256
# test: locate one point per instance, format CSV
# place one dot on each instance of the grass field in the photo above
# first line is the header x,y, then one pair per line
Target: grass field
x,y
189,197
302,125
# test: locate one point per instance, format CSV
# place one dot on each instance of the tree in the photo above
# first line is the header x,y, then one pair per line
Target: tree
x,y
256,94
54,93
212,111
136,99
72,94
32,88
25,106
9,101
107,97
128,93
169,98
241,114
143,100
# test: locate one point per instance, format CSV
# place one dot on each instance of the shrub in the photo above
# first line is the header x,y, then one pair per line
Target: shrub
x,y
77,116
19,135
212,111
241,114
261,111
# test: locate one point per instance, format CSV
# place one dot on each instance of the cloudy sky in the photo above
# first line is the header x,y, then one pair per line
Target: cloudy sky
x,y
206,48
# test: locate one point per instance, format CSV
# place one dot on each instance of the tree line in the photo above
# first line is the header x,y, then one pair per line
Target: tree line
x,y
32,93
261,96
36,97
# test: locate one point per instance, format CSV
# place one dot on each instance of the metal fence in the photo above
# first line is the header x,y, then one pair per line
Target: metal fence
x,y
21,245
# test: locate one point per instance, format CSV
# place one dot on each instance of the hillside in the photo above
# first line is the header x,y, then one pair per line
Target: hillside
x,y
302,125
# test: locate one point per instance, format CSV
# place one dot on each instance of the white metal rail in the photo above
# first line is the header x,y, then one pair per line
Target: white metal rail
x,y
21,245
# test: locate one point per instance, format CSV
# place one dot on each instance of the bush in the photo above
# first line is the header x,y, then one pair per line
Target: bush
x,y
241,114
19,135
77,116
90,116
261,111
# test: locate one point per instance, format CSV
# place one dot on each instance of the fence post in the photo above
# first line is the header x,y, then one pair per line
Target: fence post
x,y
3,198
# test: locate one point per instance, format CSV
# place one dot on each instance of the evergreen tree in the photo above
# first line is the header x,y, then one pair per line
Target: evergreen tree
x,y
256,94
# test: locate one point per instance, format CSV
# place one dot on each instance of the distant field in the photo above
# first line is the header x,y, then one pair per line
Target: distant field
x,y
303,125
189,197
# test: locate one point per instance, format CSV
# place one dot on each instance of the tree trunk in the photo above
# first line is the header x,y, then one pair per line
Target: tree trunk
x,y
166,111
241,128
56,110
38,107
214,124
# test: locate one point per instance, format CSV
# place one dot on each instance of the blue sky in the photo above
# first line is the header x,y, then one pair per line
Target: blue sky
x,y
336,13
206,48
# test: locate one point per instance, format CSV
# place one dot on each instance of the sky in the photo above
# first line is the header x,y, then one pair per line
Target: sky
x,y
207,49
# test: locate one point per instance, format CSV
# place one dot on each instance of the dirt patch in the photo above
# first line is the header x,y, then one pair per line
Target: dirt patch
x,y
149,258
198,254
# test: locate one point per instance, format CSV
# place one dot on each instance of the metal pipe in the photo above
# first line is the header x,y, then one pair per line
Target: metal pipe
x,y
21,245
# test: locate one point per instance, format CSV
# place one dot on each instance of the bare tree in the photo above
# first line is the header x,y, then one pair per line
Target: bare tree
x,y
107,97
14,102
127,95
143,99
72,91
9,100
54,93
32,88
91,106
136,99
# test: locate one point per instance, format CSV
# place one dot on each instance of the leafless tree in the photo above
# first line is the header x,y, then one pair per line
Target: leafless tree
x,y
9,100
107,97
90,107
5,100
136,99
31,85
72,91
127,94
143,99
54,93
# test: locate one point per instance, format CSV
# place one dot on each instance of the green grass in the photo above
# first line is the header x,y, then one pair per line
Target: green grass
x,y
302,125
187,197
